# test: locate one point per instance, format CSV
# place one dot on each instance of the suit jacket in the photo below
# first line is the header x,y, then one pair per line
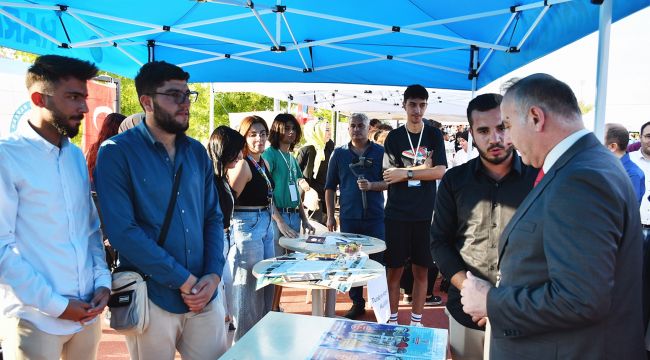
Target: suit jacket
x,y
570,265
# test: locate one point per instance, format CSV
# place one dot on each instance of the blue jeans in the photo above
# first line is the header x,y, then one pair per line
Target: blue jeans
x,y
291,219
252,242
369,227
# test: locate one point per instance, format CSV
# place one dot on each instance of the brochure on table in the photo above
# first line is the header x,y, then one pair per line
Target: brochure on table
x,y
337,273
364,340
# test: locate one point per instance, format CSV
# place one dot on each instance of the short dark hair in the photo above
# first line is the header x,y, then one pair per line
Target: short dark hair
x,y
617,134
374,122
153,75
416,92
546,92
643,127
224,147
277,130
481,103
49,69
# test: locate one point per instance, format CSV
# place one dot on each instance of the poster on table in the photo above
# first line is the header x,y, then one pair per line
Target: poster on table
x,y
370,341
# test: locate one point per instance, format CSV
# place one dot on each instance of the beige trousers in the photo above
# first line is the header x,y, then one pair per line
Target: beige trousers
x,y
196,336
24,341
465,343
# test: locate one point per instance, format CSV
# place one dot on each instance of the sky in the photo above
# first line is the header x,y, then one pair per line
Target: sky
x,y
628,87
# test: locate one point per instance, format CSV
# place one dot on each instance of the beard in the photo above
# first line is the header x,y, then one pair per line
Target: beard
x,y
60,123
166,121
495,160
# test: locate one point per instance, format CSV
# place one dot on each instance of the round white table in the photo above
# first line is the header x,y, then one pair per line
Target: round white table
x,y
318,293
300,244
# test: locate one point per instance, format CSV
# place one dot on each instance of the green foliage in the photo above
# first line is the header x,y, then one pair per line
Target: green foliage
x,y
585,108
200,110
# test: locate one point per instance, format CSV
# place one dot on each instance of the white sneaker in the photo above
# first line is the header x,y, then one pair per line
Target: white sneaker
x,y
392,322
416,324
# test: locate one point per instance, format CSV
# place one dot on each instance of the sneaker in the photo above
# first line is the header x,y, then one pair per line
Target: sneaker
x,y
416,324
355,311
392,322
408,299
433,300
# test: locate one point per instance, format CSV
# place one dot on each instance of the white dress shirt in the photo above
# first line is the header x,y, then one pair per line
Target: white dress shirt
x,y
50,245
640,160
560,148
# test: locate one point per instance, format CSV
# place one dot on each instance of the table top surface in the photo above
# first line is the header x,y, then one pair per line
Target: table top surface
x,y
300,243
285,336
260,268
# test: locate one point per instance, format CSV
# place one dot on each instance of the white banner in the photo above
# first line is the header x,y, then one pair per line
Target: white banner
x,y
14,99
378,297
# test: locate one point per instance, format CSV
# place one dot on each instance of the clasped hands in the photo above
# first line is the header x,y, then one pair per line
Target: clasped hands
x,y
84,312
474,298
196,293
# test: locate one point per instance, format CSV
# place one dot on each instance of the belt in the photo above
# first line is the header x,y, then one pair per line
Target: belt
x,y
288,210
253,210
644,226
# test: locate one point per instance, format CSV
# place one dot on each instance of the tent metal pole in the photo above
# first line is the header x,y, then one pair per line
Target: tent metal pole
x,y
533,26
242,59
293,38
328,67
474,80
221,19
435,51
276,104
88,43
211,107
340,39
86,24
219,38
503,32
30,27
604,28
266,29
278,24
454,39
430,65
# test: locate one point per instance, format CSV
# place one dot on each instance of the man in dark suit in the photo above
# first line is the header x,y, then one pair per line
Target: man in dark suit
x,y
570,259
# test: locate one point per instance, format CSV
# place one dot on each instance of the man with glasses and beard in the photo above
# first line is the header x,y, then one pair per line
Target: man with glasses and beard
x,y
475,201
134,177
54,280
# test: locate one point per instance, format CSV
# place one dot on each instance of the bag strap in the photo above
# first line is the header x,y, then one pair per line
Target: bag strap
x,y
170,208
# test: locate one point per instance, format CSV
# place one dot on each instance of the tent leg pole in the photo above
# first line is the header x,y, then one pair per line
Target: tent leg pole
x,y
211,107
604,28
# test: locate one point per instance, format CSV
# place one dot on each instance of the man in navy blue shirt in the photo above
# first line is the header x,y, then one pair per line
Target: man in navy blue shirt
x,y
366,158
134,177
616,139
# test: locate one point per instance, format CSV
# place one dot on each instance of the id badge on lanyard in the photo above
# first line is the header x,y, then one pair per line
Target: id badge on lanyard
x,y
293,191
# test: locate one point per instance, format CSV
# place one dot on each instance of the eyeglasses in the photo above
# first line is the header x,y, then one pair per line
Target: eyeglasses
x,y
180,97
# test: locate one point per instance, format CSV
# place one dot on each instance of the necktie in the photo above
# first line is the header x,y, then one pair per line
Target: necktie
x,y
539,177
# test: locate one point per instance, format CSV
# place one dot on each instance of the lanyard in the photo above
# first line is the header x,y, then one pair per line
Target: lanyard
x,y
416,151
269,193
289,165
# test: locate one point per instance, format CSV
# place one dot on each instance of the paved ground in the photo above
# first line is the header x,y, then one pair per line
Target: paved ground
x,y
113,347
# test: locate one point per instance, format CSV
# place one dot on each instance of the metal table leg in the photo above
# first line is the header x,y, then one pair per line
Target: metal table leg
x,y
317,302
330,303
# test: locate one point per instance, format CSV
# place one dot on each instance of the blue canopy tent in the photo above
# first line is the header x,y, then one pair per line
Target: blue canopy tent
x,y
384,42
462,45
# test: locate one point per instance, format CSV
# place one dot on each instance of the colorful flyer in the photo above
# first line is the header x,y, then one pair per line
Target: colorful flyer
x,y
365,340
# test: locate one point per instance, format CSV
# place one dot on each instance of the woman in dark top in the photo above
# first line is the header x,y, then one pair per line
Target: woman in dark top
x,y
225,149
251,224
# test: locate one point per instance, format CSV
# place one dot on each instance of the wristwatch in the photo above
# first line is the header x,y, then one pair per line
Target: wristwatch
x,y
409,174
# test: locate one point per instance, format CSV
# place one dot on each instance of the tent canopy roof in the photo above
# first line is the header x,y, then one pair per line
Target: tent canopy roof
x,y
384,42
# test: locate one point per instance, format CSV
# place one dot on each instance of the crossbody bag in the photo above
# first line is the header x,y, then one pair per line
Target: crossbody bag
x,y
129,302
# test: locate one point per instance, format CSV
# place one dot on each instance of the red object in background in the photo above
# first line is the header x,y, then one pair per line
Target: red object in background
x,y
101,102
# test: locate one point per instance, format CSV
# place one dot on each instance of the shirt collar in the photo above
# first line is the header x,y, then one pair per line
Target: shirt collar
x,y
638,155
562,147
28,132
